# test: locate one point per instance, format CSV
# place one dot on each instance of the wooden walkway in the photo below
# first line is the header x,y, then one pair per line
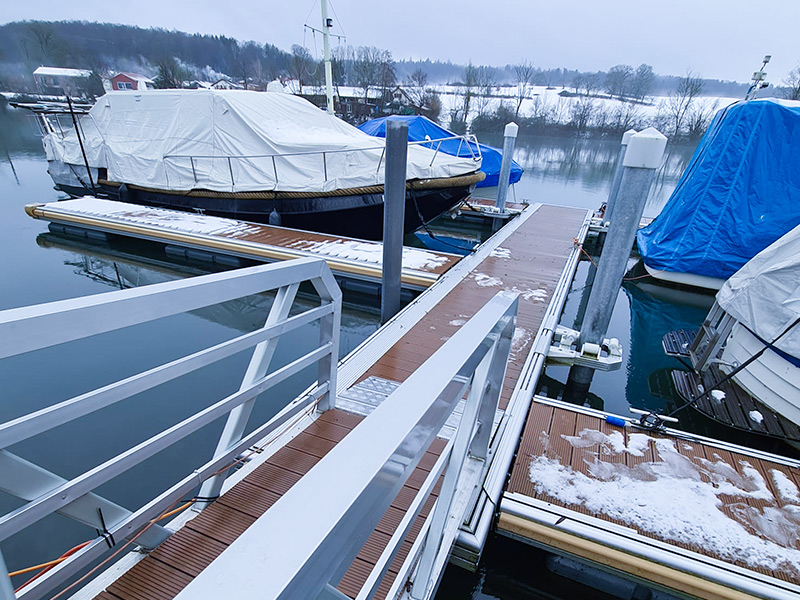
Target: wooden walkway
x,y
759,494
359,259
530,262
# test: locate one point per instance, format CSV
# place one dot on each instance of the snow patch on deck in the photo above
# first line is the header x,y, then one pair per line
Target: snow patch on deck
x,y
174,220
371,252
787,490
484,280
679,499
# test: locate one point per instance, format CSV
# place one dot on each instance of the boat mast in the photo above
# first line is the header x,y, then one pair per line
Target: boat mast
x,y
326,25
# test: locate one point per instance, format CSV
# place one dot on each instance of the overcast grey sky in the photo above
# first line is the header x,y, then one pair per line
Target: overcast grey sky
x,y
723,39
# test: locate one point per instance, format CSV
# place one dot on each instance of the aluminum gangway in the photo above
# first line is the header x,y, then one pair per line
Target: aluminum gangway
x,y
305,542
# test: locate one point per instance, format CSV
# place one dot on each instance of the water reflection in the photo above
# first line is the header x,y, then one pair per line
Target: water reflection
x,y
578,172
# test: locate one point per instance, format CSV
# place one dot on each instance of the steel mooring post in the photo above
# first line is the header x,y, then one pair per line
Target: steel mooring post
x,y
642,157
394,205
615,182
509,141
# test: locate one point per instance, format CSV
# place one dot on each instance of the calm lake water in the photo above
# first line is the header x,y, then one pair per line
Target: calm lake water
x,y
41,267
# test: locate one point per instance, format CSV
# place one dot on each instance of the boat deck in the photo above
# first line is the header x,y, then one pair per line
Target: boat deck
x,y
350,257
736,409
530,260
564,493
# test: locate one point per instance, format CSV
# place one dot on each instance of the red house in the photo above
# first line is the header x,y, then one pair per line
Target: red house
x,y
131,81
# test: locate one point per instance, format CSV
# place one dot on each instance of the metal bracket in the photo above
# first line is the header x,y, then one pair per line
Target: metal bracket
x,y
604,357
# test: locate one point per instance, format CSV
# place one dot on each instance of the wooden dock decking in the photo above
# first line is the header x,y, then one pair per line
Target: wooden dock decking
x,y
360,259
529,261
579,441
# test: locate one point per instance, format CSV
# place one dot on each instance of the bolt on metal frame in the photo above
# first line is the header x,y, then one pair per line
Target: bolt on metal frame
x,y
32,328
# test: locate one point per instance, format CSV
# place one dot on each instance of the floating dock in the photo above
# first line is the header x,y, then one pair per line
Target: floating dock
x,y
687,514
348,257
532,256
566,473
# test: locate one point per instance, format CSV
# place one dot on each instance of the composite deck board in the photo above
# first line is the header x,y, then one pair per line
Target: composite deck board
x,y
546,432
170,567
531,263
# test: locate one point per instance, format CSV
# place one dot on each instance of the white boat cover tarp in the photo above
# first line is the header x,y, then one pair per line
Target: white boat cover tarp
x,y
764,295
234,141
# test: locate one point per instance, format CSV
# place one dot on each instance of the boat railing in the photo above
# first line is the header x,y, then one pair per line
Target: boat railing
x,y
43,492
707,345
363,474
50,122
200,166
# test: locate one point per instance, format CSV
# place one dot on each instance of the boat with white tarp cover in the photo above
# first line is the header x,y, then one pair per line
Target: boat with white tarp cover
x,y
751,336
258,156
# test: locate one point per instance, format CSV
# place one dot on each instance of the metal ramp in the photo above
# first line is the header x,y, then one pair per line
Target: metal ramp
x,y
368,394
362,470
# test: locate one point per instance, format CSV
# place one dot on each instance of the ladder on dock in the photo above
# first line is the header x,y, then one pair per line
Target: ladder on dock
x,y
332,511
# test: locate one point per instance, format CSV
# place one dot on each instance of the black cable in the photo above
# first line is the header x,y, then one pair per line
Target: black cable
x,y
746,363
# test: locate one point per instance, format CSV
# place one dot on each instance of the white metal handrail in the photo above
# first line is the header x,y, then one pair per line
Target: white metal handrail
x,y
36,327
469,141
329,514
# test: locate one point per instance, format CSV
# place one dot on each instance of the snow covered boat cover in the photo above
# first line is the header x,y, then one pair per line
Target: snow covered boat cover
x,y
421,128
234,141
764,295
740,193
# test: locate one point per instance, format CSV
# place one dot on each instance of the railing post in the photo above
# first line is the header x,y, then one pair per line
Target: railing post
x,y
329,329
492,387
259,363
461,445
6,589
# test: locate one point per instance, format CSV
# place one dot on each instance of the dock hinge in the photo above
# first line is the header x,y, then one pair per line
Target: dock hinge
x,y
604,357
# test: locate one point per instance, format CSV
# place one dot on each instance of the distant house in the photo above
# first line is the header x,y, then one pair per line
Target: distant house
x,y
226,84
57,81
401,98
131,81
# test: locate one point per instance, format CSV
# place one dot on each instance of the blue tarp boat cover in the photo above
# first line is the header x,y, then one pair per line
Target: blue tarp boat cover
x,y
740,193
420,128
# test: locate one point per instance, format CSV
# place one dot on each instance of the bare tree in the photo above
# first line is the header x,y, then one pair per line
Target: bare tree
x,y
468,90
618,80
486,84
431,105
373,68
642,82
416,84
791,91
679,103
299,67
581,113
387,76
625,116
523,75
699,118
591,83
45,40
541,111
338,67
